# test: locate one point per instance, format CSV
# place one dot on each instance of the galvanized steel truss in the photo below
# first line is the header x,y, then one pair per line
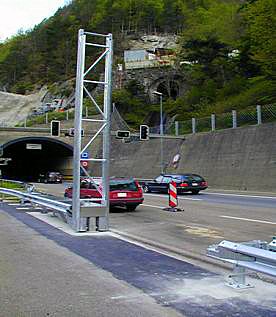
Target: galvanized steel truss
x,y
82,86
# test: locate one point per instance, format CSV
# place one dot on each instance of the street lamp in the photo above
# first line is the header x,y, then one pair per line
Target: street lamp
x,y
161,129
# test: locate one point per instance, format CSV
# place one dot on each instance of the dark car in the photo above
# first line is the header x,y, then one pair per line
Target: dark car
x,y
184,182
50,177
124,192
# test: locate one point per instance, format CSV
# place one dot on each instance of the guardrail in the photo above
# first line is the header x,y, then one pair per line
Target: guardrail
x,y
37,199
63,209
254,256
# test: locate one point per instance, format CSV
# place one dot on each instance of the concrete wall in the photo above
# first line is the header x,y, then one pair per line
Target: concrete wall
x,y
242,158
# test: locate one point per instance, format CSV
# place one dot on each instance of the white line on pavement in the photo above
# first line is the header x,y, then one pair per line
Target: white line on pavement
x,y
23,208
251,220
166,196
240,195
153,206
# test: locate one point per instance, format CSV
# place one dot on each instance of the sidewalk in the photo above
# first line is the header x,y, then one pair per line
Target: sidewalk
x,y
47,272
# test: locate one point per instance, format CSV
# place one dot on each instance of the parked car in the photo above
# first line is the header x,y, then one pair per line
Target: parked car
x,y
184,183
124,192
50,177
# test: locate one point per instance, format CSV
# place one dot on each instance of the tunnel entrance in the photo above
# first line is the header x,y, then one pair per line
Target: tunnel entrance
x,y
31,156
169,89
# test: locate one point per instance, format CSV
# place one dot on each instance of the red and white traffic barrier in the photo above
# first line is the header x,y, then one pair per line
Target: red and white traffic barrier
x,y
173,202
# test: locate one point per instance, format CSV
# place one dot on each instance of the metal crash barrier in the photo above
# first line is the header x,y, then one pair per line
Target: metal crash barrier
x,y
63,209
254,255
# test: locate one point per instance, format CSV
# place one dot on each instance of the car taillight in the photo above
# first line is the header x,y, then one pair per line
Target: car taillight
x,y
137,194
113,195
184,185
204,184
140,190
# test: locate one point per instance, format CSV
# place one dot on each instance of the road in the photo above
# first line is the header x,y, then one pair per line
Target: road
x,y
207,218
48,272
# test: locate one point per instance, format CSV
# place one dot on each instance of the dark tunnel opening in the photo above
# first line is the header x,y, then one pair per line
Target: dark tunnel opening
x,y
32,156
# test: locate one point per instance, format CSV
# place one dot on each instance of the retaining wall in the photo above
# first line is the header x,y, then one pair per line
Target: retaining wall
x,y
242,158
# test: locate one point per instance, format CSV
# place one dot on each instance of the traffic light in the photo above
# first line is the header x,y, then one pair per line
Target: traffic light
x,y
144,132
55,128
122,134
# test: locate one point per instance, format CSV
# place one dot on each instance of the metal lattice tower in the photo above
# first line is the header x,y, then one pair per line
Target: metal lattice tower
x,y
82,208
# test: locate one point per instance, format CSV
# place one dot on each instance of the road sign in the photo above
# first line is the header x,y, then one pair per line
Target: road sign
x,y
84,155
35,146
72,132
84,163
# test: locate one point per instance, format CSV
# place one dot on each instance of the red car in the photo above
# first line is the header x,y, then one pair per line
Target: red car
x,y
124,192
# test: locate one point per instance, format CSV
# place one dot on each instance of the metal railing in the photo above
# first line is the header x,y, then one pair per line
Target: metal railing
x,y
37,198
255,115
253,255
62,209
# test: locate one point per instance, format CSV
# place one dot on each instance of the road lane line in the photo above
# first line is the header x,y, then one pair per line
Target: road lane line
x,y
251,220
23,208
180,198
153,206
240,195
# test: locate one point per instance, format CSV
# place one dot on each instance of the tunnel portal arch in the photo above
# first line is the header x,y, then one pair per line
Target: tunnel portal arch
x,y
31,156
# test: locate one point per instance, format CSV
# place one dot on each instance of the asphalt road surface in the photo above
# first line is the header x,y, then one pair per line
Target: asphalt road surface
x,y
45,271
207,218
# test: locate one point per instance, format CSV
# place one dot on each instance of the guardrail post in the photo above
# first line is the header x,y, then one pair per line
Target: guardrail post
x,y
213,122
193,125
238,278
25,122
259,114
67,114
46,118
234,119
176,127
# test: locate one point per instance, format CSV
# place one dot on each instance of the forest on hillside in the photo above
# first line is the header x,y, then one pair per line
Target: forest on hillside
x,y
230,43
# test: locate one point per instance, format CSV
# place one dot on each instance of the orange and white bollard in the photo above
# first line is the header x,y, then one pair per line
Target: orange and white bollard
x,y
173,201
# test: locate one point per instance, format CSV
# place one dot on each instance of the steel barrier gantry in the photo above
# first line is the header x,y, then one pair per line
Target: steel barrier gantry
x,y
81,209
254,255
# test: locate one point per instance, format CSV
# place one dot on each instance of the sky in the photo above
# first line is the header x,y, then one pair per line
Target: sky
x,y
25,14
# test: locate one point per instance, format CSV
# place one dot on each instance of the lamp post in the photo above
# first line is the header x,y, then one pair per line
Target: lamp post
x,y
161,129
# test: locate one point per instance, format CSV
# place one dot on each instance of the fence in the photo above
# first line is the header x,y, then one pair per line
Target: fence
x,y
234,119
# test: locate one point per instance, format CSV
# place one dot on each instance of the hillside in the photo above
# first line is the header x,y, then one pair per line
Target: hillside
x,y
14,108
224,54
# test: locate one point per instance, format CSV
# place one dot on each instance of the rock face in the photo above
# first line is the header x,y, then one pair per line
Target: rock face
x,y
15,108
153,41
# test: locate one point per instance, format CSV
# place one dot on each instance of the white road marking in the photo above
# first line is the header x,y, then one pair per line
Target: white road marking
x,y
240,195
251,220
153,206
167,197
23,208
15,204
